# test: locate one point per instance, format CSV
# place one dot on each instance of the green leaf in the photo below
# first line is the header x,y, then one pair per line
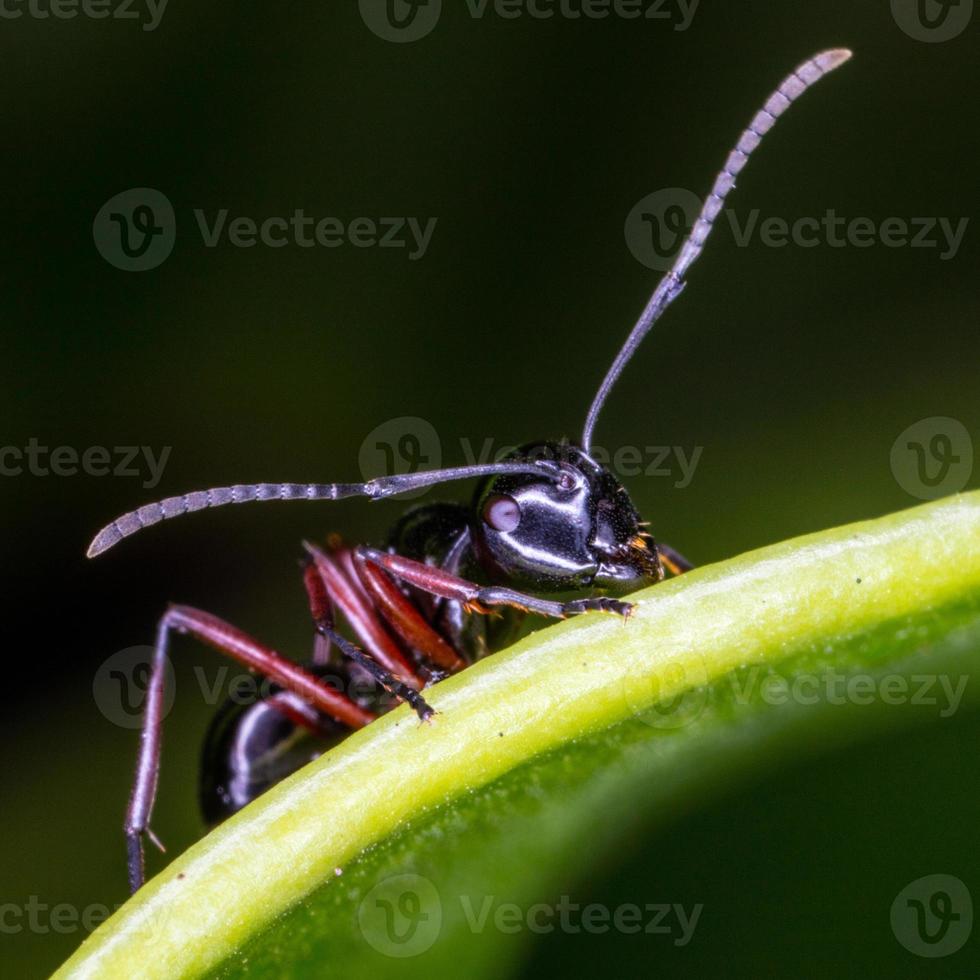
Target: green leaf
x,y
546,755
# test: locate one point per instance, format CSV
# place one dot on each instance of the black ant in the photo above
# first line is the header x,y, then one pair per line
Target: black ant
x,y
549,518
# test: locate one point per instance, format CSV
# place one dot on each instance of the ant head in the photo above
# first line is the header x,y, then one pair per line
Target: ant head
x,y
574,528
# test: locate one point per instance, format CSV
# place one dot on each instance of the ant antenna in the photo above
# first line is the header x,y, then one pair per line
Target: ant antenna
x,y
672,285
666,292
376,489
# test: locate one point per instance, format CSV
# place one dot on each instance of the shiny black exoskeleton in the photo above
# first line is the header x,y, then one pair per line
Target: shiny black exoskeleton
x,y
251,746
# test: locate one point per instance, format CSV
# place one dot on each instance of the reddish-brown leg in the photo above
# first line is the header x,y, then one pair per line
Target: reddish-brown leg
x,y
227,639
404,618
478,598
348,596
318,591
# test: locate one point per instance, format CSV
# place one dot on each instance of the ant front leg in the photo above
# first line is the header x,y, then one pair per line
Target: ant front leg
x,y
405,619
343,590
229,640
479,598
317,578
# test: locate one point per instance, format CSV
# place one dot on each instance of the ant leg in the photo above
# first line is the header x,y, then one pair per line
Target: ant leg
x,y
676,563
321,651
318,591
454,621
229,640
405,619
478,598
346,592
394,608
144,789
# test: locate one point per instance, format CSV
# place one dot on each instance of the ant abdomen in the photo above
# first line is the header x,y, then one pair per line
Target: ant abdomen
x,y
252,745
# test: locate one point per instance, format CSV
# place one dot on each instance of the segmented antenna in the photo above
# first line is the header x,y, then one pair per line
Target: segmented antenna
x,y
671,286
382,486
668,290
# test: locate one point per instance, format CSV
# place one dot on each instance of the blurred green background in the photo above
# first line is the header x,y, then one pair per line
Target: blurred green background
x,y
530,140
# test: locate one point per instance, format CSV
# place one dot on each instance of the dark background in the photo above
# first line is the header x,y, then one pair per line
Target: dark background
x,y
795,369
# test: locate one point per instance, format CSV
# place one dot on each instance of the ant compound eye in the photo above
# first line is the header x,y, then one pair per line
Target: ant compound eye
x,y
502,513
566,482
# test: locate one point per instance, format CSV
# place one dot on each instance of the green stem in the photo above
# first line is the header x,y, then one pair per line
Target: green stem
x,y
555,686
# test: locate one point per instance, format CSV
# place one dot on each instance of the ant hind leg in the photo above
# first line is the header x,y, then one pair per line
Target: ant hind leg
x,y
229,640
